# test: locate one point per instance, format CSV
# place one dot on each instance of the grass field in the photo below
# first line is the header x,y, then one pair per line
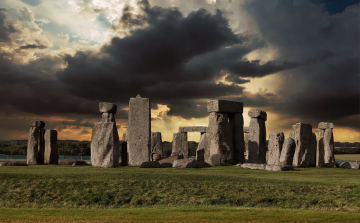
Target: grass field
x,y
77,193
350,157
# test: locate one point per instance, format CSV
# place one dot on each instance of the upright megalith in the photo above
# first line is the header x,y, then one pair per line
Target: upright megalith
x,y
246,141
275,146
305,152
180,144
156,144
51,147
105,138
35,143
287,152
257,136
139,131
325,143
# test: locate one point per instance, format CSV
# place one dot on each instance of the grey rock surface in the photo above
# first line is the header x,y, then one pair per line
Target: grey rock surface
x,y
169,159
106,107
139,131
184,163
155,157
51,147
150,164
287,153
350,165
246,142
32,156
275,145
320,153
238,134
326,125
270,167
203,149
180,144
41,146
156,143
330,165
257,141
224,106
108,117
304,146
254,166
192,129
37,123
257,113
328,146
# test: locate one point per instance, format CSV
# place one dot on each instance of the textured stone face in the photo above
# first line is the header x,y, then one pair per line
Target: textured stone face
x,y
203,150
276,140
287,153
304,146
180,145
350,165
37,123
246,141
184,163
246,129
328,146
156,143
257,113
124,138
238,134
257,141
51,147
326,125
139,131
106,107
32,156
169,160
41,145
108,117
320,153
254,166
222,106
105,145
192,129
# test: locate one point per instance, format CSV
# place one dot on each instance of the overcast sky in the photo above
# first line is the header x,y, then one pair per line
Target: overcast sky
x,y
298,60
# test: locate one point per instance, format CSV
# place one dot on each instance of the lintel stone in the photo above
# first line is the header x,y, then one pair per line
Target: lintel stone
x,y
326,125
257,113
192,129
224,106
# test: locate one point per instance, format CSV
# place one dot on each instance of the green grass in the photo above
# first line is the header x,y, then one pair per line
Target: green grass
x,y
349,157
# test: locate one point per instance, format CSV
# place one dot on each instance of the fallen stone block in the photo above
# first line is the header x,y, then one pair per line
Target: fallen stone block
x,y
326,125
270,167
224,106
170,159
330,165
71,161
12,164
350,165
156,157
184,163
257,113
106,107
192,129
150,164
254,166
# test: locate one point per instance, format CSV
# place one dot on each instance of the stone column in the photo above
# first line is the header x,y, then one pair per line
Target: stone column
x,y
180,145
33,156
51,148
202,151
238,134
139,131
105,138
276,141
257,139
287,153
156,144
41,145
246,141
325,143
303,138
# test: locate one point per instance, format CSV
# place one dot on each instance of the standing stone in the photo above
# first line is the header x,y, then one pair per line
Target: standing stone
x,y
203,151
51,147
139,131
320,153
105,138
180,145
156,143
238,134
287,153
304,146
328,146
124,154
41,146
32,156
276,140
257,139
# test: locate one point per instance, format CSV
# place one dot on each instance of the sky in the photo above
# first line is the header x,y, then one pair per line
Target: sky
x,y
298,60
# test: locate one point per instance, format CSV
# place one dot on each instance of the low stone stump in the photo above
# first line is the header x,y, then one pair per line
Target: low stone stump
x,y
12,164
156,157
254,166
150,164
350,165
71,161
330,165
170,159
269,167
184,163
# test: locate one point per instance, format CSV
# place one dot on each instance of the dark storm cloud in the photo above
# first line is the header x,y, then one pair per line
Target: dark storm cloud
x,y
32,46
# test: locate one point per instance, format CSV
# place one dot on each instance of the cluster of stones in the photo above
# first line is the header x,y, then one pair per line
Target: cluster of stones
x,y
180,140
42,145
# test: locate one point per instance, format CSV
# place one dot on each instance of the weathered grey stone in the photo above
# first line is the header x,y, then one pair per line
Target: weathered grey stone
x,y
184,163
51,147
125,138
326,125
238,134
170,159
276,141
271,167
304,146
294,128
246,129
224,106
192,129
246,141
203,149
105,145
257,141
150,164
108,117
221,139
320,153
257,113
32,156
155,157
12,164
41,146
311,154
37,123
350,165
124,153
287,153
156,143
180,144
166,165
292,134
328,146
71,161
254,166
139,131
106,107
330,165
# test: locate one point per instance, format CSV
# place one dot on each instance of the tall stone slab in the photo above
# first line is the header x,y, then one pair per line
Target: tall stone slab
x,y
246,141
139,131
238,134
41,146
257,139
156,143
304,144
288,151
203,149
32,156
328,146
275,145
320,153
51,147
105,138
180,144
